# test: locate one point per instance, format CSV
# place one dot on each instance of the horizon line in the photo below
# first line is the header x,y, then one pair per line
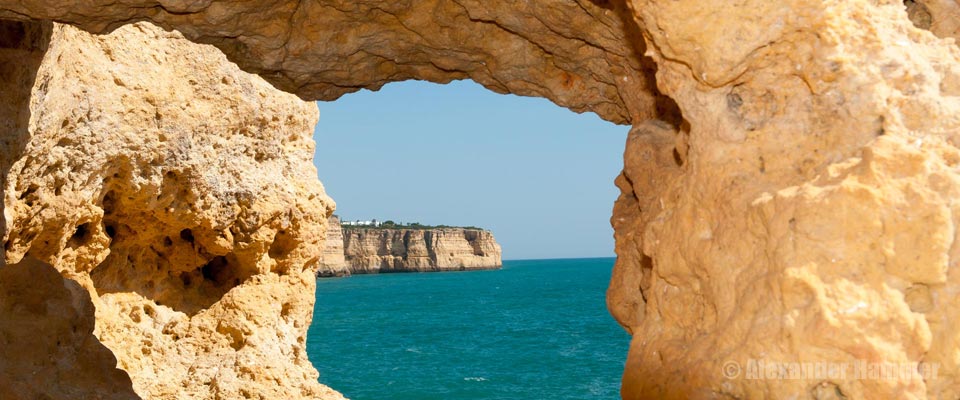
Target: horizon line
x,y
558,258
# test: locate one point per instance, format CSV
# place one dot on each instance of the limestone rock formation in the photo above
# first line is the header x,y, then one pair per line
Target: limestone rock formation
x,y
372,250
805,212
174,194
797,202
585,55
332,262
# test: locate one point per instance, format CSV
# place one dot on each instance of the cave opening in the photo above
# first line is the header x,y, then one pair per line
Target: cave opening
x,y
539,177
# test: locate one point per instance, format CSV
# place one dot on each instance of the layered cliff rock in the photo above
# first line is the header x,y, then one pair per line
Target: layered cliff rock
x,y
176,197
803,209
373,250
332,261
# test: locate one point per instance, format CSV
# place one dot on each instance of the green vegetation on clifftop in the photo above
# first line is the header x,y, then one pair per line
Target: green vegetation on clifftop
x,y
413,225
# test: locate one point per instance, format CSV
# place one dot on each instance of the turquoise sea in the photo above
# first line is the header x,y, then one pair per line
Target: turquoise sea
x,y
537,329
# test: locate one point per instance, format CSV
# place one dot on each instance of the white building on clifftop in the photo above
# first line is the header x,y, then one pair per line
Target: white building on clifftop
x,y
372,222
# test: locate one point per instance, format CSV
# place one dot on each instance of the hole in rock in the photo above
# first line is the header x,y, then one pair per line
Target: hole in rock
x,y
187,235
111,231
538,176
919,14
185,278
30,190
12,34
81,234
217,270
109,202
157,271
283,244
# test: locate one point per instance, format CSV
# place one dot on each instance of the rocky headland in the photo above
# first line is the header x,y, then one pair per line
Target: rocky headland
x,y
372,250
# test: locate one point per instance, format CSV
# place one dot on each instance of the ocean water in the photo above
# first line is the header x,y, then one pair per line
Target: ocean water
x,y
537,329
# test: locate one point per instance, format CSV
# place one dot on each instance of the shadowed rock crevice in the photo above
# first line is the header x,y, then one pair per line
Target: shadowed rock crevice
x,y
47,346
22,47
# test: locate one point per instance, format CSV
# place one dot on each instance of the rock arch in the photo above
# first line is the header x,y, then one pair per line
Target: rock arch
x,y
802,208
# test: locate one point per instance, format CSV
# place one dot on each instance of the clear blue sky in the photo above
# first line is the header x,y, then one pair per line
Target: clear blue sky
x,y
537,175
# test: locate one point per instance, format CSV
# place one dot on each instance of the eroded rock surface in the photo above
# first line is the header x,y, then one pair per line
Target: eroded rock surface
x,y
374,250
580,54
803,209
179,192
805,212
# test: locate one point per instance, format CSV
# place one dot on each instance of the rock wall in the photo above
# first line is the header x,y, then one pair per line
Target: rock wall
x,y
332,261
806,212
371,251
176,197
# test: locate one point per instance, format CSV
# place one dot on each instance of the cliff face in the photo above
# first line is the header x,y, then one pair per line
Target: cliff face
x,y
371,251
332,261
176,200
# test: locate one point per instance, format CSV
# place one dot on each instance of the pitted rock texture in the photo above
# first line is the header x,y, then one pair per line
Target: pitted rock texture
x,y
805,212
371,250
332,262
180,193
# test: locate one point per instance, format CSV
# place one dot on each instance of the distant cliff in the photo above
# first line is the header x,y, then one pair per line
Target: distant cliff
x,y
367,250
371,251
332,262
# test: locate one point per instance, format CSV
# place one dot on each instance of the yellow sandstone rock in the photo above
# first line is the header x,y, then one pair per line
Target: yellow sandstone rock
x,y
805,212
180,193
581,54
795,201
